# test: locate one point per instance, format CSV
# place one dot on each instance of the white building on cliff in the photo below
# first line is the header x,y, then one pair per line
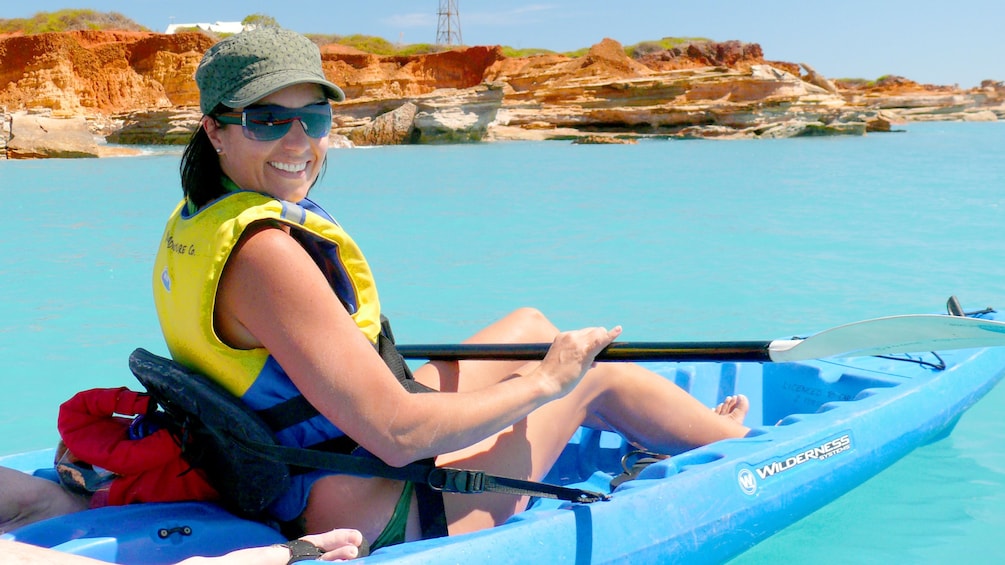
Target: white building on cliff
x,y
215,27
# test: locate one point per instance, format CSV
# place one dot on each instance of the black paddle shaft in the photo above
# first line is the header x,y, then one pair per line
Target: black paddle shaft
x,y
627,351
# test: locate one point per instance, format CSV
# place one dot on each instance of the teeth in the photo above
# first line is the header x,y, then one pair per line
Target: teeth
x,y
289,167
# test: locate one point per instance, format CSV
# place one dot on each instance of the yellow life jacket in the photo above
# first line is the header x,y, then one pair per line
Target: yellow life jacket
x,y
192,255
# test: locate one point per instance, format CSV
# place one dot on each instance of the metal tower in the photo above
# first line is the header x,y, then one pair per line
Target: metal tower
x,y
448,27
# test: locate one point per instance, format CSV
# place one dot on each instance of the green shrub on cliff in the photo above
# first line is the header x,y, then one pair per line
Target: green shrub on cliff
x,y
637,50
69,20
371,44
368,43
260,20
646,47
528,52
853,83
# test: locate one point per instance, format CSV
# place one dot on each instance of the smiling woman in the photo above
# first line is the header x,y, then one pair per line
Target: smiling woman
x,y
256,314
289,86
262,155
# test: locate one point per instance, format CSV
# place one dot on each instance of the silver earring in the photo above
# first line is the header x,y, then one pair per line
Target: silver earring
x,y
219,150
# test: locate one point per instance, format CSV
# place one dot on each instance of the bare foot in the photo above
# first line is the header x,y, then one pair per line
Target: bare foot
x,y
734,407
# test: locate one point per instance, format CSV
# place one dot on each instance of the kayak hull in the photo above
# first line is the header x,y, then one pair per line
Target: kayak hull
x,y
819,429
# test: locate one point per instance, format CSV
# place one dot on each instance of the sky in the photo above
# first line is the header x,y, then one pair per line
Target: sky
x,y
928,41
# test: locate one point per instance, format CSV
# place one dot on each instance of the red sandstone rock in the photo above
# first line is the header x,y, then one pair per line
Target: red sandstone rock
x,y
725,89
99,72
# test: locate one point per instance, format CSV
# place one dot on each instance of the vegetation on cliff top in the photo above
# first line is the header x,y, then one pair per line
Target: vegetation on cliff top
x,y
69,20
373,44
82,19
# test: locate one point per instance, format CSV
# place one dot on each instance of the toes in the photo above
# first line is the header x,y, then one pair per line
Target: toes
x,y
742,403
737,405
726,406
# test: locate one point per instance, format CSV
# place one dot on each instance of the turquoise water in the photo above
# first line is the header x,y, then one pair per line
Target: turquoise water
x,y
675,240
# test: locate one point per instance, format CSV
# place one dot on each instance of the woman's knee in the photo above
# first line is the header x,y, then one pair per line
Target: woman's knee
x,y
532,323
529,315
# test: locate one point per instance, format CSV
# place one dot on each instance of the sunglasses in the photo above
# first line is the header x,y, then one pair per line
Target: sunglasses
x,y
269,123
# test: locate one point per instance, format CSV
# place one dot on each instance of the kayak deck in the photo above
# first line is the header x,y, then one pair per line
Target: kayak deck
x,y
820,429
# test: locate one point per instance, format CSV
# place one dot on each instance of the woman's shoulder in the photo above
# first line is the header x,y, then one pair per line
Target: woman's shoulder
x,y
269,241
267,274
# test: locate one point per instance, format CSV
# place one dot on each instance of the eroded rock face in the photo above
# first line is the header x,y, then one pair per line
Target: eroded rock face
x,y
396,127
41,135
74,82
138,88
85,72
365,76
157,127
910,101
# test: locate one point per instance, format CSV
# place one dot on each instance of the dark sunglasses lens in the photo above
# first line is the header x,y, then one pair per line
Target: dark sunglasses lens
x,y
271,123
317,125
266,132
317,119
264,124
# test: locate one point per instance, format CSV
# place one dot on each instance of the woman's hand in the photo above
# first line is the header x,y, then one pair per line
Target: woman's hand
x,y
339,544
571,354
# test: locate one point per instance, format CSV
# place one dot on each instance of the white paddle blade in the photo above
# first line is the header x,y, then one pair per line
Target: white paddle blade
x,y
894,334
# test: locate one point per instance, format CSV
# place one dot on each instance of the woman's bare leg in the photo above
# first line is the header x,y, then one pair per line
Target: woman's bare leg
x,y
525,325
645,407
25,499
648,409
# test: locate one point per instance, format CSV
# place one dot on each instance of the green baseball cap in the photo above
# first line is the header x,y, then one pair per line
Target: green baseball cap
x,y
248,66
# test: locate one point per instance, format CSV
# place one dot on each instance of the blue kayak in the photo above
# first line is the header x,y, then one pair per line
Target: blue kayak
x,y
820,428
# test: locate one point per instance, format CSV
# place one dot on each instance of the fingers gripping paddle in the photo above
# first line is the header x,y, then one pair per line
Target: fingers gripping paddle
x,y
878,336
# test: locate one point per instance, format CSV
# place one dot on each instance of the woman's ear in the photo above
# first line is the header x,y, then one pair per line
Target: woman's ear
x,y
212,128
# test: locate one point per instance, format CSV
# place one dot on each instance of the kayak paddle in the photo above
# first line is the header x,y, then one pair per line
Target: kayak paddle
x,y
878,336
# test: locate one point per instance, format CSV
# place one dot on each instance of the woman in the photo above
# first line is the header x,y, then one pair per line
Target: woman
x,y
244,284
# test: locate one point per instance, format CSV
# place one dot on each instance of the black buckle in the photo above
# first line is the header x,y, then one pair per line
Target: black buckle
x,y
446,479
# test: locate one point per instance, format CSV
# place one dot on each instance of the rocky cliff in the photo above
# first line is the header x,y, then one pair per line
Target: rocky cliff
x,y
69,94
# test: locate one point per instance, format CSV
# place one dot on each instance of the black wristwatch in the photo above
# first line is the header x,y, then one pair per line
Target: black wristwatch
x,y
301,550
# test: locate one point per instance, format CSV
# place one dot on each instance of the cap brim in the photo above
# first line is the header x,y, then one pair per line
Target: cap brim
x,y
264,86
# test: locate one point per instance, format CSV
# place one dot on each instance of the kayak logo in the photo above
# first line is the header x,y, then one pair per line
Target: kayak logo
x,y
748,483
748,479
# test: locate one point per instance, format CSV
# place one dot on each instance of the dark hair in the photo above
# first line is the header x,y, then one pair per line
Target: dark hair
x,y
200,167
200,170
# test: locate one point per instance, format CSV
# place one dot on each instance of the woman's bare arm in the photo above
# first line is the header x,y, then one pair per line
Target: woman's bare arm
x,y
273,295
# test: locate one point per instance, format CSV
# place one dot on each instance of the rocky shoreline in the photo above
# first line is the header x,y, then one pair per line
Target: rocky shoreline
x,y
95,94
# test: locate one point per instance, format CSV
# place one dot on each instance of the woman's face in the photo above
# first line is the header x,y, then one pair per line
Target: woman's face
x,y
284,168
